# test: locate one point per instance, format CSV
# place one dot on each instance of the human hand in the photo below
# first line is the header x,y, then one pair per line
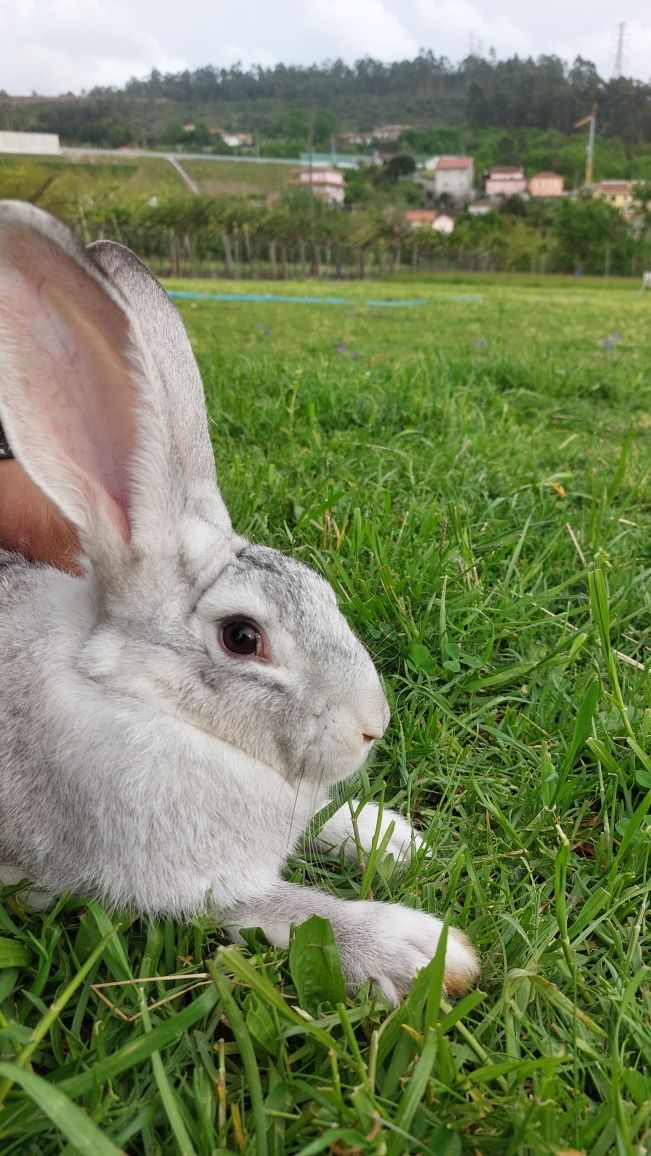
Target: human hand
x,y
30,525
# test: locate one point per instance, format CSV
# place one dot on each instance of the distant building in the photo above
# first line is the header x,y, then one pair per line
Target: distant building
x,y
236,140
420,218
355,138
390,132
327,183
480,208
453,176
375,160
619,194
429,219
546,185
331,160
189,127
505,181
36,143
444,223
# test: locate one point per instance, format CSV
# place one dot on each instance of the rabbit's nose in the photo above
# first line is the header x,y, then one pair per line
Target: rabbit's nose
x,y
375,724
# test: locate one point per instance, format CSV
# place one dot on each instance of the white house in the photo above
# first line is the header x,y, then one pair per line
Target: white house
x,y
453,176
444,223
390,132
236,140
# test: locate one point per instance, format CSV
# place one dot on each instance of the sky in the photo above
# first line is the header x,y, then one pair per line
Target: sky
x,y
54,46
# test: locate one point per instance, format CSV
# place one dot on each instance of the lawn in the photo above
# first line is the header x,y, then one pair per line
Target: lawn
x,y
473,476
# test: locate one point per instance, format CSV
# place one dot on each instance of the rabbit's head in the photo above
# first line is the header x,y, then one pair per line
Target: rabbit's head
x,y
102,403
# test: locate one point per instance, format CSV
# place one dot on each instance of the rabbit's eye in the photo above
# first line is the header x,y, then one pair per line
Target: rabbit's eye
x,y
241,637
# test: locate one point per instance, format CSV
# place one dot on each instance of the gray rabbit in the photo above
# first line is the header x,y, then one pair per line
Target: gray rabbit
x,y
172,720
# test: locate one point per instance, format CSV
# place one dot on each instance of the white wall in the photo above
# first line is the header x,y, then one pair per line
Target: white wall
x,y
37,143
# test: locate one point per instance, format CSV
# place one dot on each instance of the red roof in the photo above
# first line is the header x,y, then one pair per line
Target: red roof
x,y
420,215
444,163
506,170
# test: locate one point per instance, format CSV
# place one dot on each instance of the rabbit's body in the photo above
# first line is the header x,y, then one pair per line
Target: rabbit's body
x,y
173,719
146,806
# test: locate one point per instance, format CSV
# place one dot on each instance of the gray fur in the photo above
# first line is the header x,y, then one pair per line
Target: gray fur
x,y
140,763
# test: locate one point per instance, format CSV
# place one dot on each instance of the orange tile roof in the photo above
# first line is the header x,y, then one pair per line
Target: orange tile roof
x,y
444,163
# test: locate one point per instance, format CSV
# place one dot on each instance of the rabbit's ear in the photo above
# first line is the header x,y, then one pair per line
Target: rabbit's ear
x,y
169,346
80,394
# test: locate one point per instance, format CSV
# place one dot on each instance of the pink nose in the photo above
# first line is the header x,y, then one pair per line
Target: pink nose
x,y
373,719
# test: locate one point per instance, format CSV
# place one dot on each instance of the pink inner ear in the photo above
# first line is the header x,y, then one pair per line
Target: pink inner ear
x,y
71,398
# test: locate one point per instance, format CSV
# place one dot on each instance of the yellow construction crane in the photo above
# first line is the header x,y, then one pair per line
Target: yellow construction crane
x,y
591,119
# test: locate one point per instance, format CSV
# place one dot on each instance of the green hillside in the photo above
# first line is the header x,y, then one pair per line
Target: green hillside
x,y
447,108
64,185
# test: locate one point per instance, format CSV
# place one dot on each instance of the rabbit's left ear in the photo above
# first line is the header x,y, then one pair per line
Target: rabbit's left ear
x,y
71,375
85,405
169,347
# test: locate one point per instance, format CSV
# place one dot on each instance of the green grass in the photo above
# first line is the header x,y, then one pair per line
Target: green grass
x,y
476,486
61,184
224,178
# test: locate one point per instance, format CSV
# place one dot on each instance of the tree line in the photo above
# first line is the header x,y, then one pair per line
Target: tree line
x,y
298,236
290,105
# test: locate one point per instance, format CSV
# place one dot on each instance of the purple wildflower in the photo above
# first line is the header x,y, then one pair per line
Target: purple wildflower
x,y
608,343
354,354
616,338
341,348
259,325
480,343
267,333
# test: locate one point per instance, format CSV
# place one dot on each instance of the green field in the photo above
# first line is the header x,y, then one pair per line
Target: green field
x,y
473,476
224,178
63,185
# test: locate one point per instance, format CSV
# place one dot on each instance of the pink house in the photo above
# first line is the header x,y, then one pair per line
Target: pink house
x,y
327,183
505,181
546,185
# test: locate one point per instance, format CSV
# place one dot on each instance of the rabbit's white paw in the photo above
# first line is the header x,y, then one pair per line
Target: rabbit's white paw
x,y
339,832
390,943
384,942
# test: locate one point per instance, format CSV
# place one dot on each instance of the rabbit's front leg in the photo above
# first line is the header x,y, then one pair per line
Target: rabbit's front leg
x,y
340,831
386,943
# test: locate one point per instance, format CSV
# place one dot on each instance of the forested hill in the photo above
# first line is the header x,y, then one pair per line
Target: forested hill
x,y
289,103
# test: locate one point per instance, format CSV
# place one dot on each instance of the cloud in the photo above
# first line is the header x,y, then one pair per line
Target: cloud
x,y
54,46
347,29
452,23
